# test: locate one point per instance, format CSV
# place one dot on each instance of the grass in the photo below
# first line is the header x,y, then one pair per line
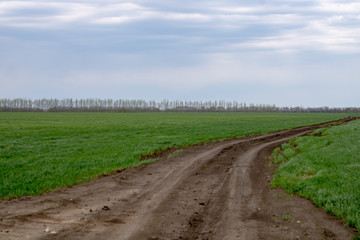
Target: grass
x,y
286,218
40,152
175,153
325,168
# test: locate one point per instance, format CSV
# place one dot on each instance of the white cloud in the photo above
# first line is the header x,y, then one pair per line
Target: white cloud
x,y
351,7
184,16
110,12
52,14
323,25
60,13
238,9
143,15
327,34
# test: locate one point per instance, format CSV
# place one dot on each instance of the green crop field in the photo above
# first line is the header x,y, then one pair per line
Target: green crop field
x,y
40,152
325,168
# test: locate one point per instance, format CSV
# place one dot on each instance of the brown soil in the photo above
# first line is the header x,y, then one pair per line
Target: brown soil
x,y
215,191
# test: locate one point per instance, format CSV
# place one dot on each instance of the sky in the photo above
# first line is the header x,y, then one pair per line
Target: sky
x,y
289,53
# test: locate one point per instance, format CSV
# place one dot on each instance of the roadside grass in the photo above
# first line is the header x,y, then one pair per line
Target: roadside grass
x,y
40,152
174,153
286,218
325,168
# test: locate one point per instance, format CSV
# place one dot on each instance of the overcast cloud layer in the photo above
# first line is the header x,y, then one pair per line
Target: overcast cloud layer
x,y
291,52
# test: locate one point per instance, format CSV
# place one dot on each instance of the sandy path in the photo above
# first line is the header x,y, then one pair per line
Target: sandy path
x,y
216,191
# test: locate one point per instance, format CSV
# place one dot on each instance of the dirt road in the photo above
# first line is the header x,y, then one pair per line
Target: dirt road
x,y
215,191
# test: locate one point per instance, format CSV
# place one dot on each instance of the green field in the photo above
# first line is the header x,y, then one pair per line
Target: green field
x,y
40,152
325,168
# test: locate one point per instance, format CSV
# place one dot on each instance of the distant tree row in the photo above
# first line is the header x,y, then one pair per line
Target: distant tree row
x,y
123,105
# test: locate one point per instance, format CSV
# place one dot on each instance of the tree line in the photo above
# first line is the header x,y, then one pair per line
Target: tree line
x,y
124,105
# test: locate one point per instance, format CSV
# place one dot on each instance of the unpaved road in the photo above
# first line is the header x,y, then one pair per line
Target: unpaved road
x,y
217,191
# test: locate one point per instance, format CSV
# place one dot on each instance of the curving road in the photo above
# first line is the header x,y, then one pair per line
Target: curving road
x,y
215,191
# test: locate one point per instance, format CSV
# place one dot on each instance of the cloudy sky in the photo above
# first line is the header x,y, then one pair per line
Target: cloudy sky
x,y
288,53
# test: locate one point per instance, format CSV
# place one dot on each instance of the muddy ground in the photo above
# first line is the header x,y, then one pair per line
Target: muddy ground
x,y
214,191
